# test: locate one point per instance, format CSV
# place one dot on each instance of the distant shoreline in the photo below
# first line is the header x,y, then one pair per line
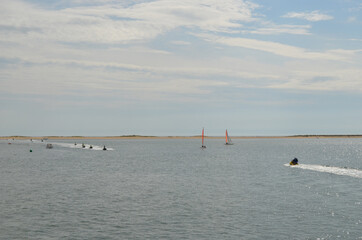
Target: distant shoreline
x,y
171,137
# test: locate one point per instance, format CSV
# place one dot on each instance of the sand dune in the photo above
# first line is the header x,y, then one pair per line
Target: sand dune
x,y
172,137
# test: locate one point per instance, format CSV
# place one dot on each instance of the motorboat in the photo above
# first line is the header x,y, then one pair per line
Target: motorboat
x,y
294,162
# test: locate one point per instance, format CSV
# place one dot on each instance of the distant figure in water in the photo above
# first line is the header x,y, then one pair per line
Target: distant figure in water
x,y
83,146
90,146
104,148
294,161
75,144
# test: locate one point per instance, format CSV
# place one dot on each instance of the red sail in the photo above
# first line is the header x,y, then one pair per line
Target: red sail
x,y
202,137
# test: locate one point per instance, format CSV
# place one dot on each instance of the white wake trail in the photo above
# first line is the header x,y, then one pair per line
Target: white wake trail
x,y
87,146
72,145
334,170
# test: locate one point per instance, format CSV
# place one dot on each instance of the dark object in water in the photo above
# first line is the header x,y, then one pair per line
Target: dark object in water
x,y
104,148
294,161
49,146
83,146
90,146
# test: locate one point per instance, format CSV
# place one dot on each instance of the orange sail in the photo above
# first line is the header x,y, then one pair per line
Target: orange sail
x,y
227,138
202,137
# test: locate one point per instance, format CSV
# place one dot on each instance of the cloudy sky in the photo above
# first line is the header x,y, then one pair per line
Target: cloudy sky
x,y
171,67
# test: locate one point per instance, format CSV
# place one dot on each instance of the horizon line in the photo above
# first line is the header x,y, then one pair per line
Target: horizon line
x,y
177,136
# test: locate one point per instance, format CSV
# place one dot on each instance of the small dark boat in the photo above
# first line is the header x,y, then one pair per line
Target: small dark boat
x,y
49,146
294,162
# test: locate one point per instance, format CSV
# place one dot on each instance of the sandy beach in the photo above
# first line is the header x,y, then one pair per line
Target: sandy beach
x,y
170,137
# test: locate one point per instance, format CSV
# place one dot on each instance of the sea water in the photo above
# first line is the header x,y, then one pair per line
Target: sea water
x,y
172,189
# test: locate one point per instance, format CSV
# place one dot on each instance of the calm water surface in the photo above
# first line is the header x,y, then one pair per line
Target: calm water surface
x,y
171,189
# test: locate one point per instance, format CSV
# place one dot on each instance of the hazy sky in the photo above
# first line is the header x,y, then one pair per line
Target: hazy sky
x,y
171,67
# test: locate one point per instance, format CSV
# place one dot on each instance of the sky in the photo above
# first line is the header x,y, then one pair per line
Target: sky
x,y
171,67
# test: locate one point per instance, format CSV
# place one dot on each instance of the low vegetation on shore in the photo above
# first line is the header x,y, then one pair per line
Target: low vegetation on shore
x,y
173,137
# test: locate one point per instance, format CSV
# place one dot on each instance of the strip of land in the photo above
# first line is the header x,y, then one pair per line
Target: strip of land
x,y
170,137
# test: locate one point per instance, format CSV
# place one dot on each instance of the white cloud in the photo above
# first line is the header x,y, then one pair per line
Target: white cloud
x,y
115,23
356,8
313,16
323,75
92,80
180,43
333,80
112,22
279,49
273,29
33,35
351,19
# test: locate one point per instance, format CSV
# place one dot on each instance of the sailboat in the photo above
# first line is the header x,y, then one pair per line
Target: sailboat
x,y
227,139
202,137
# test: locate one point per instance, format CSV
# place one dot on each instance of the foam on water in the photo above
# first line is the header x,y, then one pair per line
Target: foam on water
x,y
68,145
87,146
327,169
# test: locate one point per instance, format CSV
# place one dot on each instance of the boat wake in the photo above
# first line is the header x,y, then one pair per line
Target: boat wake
x,y
72,145
327,169
86,146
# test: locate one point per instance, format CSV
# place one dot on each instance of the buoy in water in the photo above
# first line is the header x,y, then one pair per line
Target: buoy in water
x,y
31,150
